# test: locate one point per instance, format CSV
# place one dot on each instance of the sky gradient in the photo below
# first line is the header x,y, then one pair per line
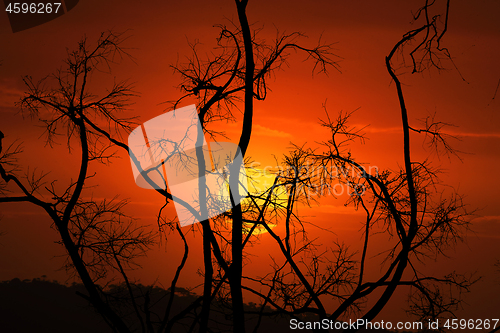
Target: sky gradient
x,y
364,32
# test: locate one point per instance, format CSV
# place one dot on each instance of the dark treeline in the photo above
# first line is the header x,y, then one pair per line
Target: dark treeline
x,y
40,306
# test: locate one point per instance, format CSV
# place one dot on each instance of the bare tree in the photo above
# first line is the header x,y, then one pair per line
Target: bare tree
x,y
238,73
407,206
96,235
419,220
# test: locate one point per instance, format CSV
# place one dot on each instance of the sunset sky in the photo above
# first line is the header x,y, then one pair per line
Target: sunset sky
x,y
467,96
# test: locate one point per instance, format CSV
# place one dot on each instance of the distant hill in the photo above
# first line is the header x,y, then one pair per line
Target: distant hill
x,y
46,307
41,306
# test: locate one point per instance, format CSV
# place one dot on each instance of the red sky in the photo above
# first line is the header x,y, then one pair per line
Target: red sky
x,y
364,31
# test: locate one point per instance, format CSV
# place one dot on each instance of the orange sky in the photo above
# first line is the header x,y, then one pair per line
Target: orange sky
x,y
364,32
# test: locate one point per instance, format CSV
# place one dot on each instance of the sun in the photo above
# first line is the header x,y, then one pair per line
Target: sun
x,y
265,193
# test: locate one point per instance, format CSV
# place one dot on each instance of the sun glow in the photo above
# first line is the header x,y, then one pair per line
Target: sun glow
x,y
266,201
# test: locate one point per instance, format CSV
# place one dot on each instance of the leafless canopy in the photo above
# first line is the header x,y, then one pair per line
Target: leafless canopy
x,y
417,216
